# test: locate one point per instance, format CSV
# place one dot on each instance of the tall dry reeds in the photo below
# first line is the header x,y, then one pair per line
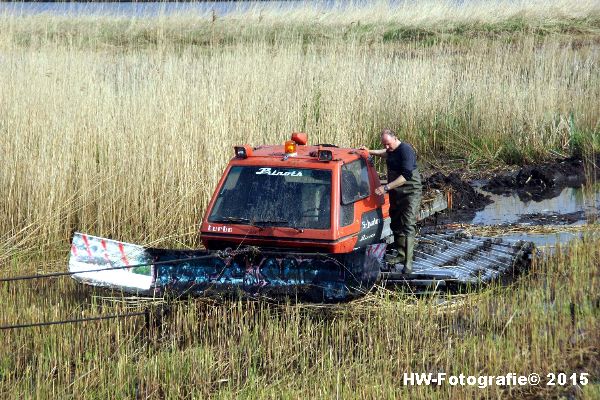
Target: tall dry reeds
x,y
546,322
132,143
121,127
278,22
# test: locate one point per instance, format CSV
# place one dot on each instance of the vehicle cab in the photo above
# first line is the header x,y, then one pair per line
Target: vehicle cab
x,y
298,197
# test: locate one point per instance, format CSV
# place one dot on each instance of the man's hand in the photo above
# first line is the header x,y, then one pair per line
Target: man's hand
x,y
380,191
363,148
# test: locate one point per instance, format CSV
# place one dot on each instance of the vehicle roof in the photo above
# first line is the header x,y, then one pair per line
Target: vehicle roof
x,y
305,156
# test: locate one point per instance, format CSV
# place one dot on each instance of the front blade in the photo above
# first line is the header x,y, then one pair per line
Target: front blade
x,y
110,263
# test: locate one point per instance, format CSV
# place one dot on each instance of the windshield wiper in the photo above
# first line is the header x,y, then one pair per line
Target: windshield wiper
x,y
261,224
234,220
277,222
267,222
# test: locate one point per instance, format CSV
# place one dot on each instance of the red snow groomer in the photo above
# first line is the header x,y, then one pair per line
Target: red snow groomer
x,y
297,197
298,221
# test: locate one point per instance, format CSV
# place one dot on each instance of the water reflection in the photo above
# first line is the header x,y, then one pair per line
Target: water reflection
x,y
509,209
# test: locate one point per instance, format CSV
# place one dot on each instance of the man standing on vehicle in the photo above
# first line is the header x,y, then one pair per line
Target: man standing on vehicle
x,y
404,187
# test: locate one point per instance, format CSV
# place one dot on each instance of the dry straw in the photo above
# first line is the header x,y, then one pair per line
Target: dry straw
x,y
123,137
122,126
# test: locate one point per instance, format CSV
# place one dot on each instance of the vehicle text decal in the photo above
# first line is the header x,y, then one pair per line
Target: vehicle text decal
x,y
371,226
368,223
225,229
274,172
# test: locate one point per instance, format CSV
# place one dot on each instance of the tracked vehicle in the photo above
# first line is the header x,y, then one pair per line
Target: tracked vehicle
x,y
301,222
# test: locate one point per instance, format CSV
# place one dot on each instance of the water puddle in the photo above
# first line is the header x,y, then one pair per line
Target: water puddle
x,y
512,209
545,239
570,207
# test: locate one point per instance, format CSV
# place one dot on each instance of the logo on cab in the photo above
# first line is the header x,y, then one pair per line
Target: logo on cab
x,y
368,224
274,172
221,229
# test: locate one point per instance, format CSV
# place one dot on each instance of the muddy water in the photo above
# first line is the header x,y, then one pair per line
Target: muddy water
x,y
510,209
513,209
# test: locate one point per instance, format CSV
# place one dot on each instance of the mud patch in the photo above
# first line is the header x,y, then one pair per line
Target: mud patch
x,y
466,201
464,196
543,181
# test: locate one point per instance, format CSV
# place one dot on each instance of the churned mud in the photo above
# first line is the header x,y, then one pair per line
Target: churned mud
x,y
466,201
543,181
527,191
464,196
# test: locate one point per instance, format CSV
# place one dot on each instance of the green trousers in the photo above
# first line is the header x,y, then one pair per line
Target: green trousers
x,y
405,204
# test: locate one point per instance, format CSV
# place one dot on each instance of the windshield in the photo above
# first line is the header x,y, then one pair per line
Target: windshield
x,y
266,196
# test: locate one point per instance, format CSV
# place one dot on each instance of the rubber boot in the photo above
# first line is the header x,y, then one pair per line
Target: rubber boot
x,y
398,261
409,253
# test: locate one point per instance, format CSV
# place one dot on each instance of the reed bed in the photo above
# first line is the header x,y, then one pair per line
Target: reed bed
x,y
129,141
547,321
311,22
121,127
499,230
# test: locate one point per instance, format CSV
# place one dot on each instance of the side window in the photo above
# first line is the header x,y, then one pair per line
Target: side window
x,y
347,214
355,181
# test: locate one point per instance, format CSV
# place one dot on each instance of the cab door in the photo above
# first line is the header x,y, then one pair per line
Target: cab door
x,y
360,212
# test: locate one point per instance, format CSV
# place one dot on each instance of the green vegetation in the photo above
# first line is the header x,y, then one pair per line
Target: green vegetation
x,y
545,322
122,127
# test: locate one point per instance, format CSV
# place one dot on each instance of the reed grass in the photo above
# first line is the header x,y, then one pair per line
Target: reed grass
x,y
547,321
375,21
129,141
121,127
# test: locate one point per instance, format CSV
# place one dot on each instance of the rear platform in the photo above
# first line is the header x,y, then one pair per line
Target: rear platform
x,y
454,260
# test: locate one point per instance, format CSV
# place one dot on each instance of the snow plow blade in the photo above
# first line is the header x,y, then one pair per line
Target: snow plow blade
x,y
249,271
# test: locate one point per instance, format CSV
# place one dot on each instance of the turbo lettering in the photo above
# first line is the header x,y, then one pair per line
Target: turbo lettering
x,y
224,229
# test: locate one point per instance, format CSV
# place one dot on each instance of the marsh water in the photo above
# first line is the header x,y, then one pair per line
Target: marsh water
x,y
507,209
516,209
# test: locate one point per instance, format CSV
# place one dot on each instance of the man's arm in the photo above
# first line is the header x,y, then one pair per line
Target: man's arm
x,y
399,181
379,153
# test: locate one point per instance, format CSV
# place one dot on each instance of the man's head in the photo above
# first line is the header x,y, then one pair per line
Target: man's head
x,y
389,140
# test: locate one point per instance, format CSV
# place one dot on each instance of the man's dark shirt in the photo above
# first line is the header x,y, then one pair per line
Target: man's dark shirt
x,y
402,161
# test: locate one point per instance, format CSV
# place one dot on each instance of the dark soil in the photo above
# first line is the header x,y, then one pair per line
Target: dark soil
x,y
465,200
538,182
464,197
